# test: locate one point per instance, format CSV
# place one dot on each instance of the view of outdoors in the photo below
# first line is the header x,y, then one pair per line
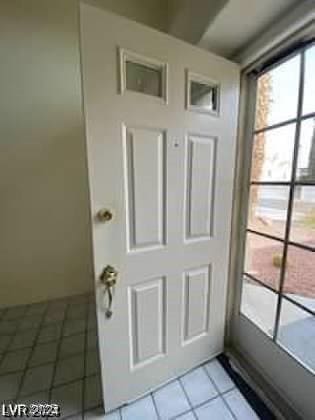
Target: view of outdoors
x,y
280,242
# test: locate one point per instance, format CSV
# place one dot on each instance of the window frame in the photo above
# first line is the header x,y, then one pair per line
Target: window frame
x,y
125,55
241,208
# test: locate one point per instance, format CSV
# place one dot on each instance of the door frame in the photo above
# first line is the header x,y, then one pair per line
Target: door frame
x,y
260,370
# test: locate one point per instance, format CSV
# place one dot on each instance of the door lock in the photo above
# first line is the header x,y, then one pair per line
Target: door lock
x,y
109,280
104,215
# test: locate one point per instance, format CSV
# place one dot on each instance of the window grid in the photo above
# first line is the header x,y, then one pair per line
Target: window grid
x,y
291,184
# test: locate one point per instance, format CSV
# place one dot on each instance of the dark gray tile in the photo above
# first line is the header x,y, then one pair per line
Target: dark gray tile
x,y
14,361
50,333
15,312
72,345
92,319
37,398
4,342
92,340
74,326
93,392
78,311
77,299
69,398
54,308
9,385
23,339
91,298
69,369
30,322
92,364
54,316
8,327
44,353
36,309
37,379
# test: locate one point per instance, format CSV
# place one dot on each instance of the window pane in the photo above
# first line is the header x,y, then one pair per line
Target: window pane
x,y
299,282
303,216
309,83
272,154
203,96
297,333
268,209
263,258
259,305
277,94
144,79
306,156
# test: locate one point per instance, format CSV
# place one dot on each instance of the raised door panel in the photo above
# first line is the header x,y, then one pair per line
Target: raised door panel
x,y
147,315
196,298
145,169
200,177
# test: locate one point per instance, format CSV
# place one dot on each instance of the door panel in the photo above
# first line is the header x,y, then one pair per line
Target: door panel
x,y
196,303
166,172
147,308
145,180
200,184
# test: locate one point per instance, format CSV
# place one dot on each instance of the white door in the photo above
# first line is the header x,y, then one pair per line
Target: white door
x,y
161,120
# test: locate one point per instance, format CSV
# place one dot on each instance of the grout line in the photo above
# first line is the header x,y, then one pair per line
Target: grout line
x,y
31,353
221,394
187,397
13,372
57,354
17,331
12,335
36,331
8,350
9,342
155,406
85,353
72,381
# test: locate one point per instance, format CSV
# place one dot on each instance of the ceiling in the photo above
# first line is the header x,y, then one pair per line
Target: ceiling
x,y
240,22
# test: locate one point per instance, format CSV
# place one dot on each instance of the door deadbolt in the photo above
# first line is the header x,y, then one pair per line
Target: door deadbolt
x,y
104,215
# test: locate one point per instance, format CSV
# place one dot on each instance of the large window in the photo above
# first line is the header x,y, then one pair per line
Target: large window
x,y
278,292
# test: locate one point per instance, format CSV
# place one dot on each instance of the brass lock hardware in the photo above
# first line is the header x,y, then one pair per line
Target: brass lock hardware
x,y
104,215
109,279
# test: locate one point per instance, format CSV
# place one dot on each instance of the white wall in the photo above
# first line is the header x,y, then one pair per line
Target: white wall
x,y
45,249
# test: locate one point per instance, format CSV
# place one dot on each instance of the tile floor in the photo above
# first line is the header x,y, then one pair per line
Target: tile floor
x,y
48,353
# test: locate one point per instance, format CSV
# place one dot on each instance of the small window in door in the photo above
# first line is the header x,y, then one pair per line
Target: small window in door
x,y
142,75
202,94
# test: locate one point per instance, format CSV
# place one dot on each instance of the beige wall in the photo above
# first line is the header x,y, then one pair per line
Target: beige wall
x,y
44,223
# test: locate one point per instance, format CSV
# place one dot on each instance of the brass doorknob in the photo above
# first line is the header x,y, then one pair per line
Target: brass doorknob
x,y
104,215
